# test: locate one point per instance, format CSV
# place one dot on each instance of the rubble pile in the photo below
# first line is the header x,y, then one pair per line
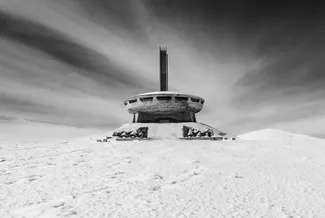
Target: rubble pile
x,y
141,132
104,140
192,132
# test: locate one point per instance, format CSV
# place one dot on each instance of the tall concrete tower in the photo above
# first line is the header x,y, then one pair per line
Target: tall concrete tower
x,y
163,69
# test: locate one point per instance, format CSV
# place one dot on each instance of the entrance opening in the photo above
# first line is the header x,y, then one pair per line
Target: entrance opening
x,y
164,121
165,118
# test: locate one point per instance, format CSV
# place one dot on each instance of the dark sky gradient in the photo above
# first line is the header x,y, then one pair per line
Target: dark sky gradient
x,y
258,64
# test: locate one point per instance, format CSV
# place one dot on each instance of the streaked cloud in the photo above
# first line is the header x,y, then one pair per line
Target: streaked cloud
x,y
73,62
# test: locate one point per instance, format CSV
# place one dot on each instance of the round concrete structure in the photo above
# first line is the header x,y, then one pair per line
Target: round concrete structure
x,y
164,103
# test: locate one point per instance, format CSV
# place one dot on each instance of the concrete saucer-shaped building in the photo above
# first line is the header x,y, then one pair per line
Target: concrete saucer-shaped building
x,y
166,114
164,107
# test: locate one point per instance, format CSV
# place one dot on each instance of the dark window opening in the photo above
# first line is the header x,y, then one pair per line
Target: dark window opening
x,y
195,100
146,99
164,98
181,98
132,101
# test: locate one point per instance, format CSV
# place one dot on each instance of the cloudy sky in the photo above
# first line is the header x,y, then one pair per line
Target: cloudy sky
x,y
257,65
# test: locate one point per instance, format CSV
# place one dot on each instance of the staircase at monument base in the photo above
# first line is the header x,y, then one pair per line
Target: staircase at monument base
x,y
165,131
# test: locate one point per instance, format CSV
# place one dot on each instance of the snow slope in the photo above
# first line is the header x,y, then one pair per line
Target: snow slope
x,y
276,135
18,130
163,178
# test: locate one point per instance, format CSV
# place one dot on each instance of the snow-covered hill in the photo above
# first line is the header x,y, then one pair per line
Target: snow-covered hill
x,y
277,135
163,178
